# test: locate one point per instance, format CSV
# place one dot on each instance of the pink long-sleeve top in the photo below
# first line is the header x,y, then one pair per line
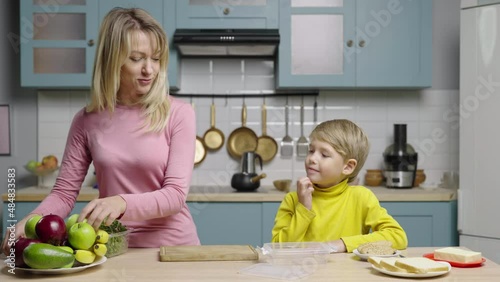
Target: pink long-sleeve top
x,y
150,171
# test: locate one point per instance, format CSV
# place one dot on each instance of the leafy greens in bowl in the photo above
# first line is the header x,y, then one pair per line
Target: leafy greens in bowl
x,y
118,238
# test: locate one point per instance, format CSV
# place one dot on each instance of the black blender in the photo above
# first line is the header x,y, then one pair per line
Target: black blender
x,y
400,160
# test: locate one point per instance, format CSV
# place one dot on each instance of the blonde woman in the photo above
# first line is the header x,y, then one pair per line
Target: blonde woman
x,y
140,140
326,208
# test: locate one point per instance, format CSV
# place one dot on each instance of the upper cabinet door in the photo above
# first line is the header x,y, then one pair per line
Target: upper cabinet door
x,y
317,44
153,7
227,14
57,42
393,43
335,44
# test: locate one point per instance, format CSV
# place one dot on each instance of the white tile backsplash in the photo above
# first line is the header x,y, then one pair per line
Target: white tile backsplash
x,y
374,111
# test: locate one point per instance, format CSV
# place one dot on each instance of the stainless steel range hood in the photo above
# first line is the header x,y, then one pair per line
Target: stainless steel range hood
x,y
227,42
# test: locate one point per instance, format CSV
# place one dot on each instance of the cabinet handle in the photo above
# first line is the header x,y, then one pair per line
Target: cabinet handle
x,y
225,11
362,43
349,43
91,42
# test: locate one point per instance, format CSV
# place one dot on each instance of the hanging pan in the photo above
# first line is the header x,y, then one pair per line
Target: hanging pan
x,y
266,145
200,150
242,139
213,137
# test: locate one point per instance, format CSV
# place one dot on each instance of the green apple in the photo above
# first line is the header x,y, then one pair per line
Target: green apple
x,y
29,227
81,236
31,165
71,220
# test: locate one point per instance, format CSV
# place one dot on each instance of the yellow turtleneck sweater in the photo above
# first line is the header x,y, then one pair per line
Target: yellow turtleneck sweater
x,y
339,212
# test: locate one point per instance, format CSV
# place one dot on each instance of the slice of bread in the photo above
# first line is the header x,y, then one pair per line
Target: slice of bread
x,y
420,265
457,255
375,261
390,264
376,248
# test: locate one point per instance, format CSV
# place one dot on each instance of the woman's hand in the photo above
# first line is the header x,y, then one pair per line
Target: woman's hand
x,y
18,232
304,192
104,210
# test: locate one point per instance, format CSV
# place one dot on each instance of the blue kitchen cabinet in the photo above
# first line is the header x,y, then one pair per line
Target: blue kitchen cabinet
x,y
426,223
394,43
313,41
217,14
362,44
269,214
228,223
58,41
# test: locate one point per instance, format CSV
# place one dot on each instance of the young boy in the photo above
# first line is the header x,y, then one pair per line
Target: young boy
x,y
325,207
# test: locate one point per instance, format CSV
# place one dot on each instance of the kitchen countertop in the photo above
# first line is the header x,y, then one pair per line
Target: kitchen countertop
x,y
144,265
263,194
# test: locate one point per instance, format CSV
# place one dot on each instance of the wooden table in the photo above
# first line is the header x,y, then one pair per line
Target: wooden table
x,y
143,265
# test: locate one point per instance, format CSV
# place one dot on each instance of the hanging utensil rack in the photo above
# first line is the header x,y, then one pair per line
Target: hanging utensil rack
x,y
230,96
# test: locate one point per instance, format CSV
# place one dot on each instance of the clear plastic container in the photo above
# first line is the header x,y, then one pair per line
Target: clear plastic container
x,y
117,243
302,253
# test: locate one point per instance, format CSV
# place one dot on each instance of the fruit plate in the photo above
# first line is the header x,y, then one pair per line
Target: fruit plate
x,y
41,172
414,275
457,264
63,270
366,256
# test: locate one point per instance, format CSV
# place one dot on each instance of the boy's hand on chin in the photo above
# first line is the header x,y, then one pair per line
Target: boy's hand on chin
x,y
304,192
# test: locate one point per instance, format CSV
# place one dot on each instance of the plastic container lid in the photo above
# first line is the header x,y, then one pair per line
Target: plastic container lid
x,y
296,248
296,252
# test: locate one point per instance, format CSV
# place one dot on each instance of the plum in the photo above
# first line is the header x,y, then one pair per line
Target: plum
x,y
19,247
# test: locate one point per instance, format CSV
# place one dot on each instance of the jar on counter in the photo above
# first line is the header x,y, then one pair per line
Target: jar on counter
x,y
419,177
374,177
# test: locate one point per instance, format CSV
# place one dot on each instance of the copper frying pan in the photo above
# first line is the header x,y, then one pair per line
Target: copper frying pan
x,y
200,150
242,139
266,145
213,137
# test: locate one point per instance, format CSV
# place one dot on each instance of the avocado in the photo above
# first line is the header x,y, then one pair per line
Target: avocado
x,y
47,256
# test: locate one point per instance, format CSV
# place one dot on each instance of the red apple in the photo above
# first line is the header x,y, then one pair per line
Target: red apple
x,y
19,247
51,229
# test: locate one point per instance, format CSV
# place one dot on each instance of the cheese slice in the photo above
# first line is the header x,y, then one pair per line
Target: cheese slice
x,y
457,255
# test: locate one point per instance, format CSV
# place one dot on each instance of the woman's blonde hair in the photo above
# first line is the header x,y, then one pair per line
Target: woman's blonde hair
x,y
348,139
116,34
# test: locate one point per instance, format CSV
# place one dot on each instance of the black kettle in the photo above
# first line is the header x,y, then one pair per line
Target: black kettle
x,y
248,180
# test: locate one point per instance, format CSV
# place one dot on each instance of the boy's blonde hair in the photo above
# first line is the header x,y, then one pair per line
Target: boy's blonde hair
x,y
348,139
116,37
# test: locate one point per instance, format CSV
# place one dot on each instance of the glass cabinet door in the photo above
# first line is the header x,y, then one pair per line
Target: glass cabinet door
x,y
57,42
317,38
